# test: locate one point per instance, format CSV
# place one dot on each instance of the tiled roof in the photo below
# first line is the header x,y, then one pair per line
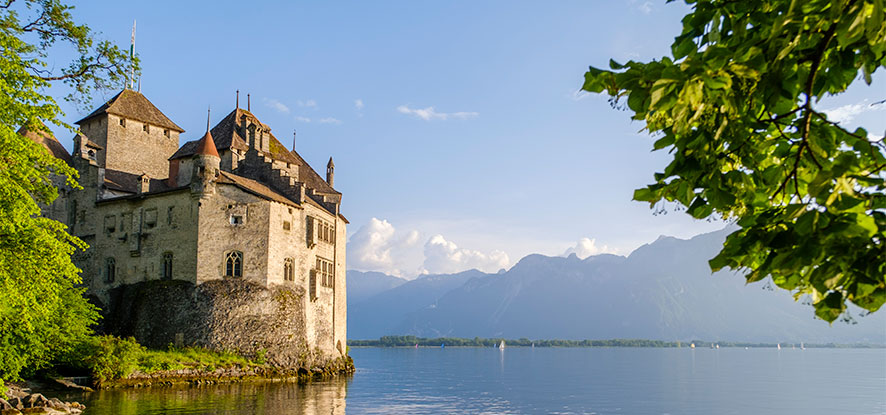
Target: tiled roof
x,y
254,187
227,136
128,182
47,140
133,105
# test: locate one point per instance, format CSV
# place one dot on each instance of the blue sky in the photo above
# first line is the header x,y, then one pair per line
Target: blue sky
x,y
458,136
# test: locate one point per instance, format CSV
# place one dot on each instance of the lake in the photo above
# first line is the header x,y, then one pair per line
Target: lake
x,y
548,380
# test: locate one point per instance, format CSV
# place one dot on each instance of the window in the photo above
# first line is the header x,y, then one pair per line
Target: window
x,y
234,264
236,219
110,223
326,271
146,128
288,270
167,266
286,225
170,211
151,218
166,133
123,122
325,231
110,270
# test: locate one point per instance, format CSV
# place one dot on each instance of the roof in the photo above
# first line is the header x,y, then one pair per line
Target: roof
x,y
129,182
133,105
206,146
254,187
227,137
41,135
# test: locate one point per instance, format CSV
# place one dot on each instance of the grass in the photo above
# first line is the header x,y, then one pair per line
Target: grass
x,y
151,361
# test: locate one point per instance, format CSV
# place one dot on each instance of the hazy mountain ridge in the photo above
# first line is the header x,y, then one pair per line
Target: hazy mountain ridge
x,y
662,290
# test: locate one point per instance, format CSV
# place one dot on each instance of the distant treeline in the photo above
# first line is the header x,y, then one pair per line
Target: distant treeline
x,y
411,341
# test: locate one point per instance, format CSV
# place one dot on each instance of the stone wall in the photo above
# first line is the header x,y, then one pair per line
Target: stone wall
x,y
229,314
128,147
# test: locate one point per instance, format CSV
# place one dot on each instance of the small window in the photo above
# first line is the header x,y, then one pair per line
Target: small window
x,y
234,264
146,128
236,219
91,154
110,223
123,122
167,266
151,218
286,225
325,231
110,270
170,212
288,270
166,133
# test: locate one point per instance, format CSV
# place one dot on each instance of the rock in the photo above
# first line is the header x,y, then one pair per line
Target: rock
x,y
36,410
35,400
16,403
10,412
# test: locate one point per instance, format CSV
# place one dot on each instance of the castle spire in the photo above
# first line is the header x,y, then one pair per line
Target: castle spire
x,y
206,145
237,106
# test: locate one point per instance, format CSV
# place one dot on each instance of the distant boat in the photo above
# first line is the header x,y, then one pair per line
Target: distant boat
x,y
712,345
416,345
502,345
778,345
442,345
533,345
802,346
718,346
691,345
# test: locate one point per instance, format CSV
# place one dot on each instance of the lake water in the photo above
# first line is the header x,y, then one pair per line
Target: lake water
x,y
549,380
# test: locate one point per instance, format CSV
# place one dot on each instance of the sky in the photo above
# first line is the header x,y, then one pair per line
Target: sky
x,y
459,136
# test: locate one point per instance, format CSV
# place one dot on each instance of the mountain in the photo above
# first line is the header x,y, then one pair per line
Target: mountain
x,y
363,285
662,290
382,312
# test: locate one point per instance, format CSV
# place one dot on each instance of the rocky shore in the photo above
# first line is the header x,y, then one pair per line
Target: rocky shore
x,y
23,401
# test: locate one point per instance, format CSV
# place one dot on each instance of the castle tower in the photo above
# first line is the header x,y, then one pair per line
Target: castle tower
x,y
206,163
134,135
330,172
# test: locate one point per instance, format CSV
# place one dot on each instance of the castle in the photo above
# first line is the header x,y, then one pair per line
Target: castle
x,y
235,205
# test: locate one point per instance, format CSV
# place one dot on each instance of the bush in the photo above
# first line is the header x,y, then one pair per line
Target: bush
x,y
105,357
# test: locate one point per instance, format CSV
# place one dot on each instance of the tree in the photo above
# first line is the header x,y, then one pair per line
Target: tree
x,y
42,310
736,107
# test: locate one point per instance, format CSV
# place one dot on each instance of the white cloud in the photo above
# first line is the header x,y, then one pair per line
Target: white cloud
x,y
309,103
276,105
847,113
442,256
377,246
358,103
645,8
329,120
302,119
586,247
429,113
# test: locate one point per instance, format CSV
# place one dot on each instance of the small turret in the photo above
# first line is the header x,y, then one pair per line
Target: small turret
x,y
206,162
330,172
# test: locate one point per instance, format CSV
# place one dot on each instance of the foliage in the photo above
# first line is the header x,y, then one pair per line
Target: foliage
x,y
42,312
735,106
108,358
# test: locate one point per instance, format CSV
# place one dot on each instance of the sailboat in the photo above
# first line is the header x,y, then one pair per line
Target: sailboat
x,y
778,346
802,346
502,345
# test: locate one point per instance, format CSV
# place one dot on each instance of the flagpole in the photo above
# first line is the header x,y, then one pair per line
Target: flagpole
x,y
132,58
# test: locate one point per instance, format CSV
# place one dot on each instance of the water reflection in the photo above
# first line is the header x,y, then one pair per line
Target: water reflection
x,y
327,397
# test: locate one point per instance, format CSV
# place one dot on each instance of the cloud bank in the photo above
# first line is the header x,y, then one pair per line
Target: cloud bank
x,y
586,247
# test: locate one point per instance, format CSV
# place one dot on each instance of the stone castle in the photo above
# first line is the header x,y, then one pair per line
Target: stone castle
x,y
235,241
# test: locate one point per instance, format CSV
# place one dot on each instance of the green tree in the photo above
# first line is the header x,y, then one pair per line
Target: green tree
x,y
42,310
736,107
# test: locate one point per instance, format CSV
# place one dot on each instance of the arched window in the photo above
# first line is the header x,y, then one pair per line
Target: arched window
x,y
110,270
288,271
234,264
167,266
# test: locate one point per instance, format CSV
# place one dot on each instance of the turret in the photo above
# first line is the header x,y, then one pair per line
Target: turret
x,y
330,172
205,163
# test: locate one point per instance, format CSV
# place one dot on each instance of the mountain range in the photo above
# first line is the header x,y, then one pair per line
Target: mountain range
x,y
663,291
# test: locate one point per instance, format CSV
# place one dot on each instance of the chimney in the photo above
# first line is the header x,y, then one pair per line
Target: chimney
x,y
144,184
